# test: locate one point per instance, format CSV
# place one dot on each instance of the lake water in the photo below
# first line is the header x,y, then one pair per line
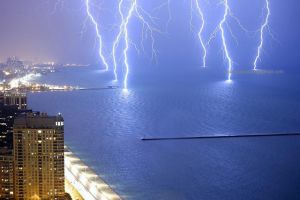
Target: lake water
x,y
105,128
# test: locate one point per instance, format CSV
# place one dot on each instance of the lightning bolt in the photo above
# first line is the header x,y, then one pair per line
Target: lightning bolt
x,y
221,28
125,51
262,31
224,42
139,12
201,15
118,38
99,36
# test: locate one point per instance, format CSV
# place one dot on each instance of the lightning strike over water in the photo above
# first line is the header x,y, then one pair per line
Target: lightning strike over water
x,y
201,15
224,42
96,25
128,9
126,37
118,38
262,31
134,10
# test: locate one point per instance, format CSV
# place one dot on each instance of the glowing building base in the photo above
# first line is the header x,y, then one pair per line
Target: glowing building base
x,y
89,185
69,188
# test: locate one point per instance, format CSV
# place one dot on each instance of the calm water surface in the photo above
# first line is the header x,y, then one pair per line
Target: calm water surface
x,y
105,127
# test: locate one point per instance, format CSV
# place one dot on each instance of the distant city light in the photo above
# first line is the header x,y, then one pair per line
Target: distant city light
x,y
6,73
25,80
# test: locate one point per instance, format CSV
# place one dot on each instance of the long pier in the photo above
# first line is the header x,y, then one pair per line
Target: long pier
x,y
72,89
221,136
101,88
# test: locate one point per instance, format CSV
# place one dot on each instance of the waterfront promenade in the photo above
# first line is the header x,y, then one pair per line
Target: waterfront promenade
x,y
87,183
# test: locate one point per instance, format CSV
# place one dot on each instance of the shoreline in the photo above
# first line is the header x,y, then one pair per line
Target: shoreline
x,y
88,184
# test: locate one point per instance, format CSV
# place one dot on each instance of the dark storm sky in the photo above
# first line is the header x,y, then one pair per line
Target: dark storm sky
x,y
30,30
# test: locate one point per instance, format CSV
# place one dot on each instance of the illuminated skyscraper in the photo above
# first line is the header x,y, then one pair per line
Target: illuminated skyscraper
x,y
39,157
6,174
15,98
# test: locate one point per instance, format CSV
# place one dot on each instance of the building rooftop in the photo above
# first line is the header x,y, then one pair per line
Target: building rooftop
x,y
38,121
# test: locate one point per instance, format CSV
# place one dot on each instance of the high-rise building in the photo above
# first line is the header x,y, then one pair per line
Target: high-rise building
x,y
15,98
7,116
8,111
6,175
38,157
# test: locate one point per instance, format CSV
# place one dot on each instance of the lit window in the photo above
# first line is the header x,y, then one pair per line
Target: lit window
x,y
59,123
